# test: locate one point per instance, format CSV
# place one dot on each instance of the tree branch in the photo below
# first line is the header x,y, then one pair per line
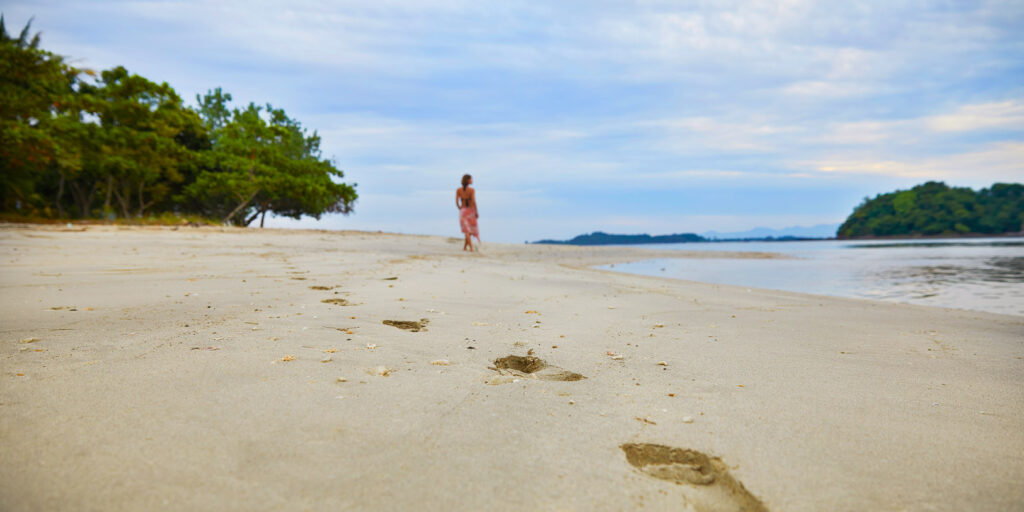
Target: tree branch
x,y
243,204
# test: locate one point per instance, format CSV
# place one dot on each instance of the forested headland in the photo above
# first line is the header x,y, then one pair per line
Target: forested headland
x,y
81,144
936,209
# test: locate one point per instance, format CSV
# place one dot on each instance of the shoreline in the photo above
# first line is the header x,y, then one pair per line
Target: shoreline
x,y
199,368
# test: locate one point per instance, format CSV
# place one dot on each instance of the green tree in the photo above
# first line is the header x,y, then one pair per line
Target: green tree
x,y
139,152
71,145
934,208
36,120
263,161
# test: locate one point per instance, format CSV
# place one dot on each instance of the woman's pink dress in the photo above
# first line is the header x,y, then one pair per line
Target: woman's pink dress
x,y
467,221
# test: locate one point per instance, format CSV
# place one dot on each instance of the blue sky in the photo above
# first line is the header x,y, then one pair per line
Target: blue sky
x,y
626,117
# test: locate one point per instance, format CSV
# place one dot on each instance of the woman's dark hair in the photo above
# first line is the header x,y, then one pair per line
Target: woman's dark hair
x,y
465,180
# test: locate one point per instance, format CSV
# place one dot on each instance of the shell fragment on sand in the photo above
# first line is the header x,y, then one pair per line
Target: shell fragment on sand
x,y
382,371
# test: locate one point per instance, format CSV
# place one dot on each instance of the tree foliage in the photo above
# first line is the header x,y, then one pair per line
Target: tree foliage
x,y
935,208
77,145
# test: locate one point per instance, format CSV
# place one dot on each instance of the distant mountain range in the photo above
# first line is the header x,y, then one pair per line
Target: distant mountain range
x,y
792,233
601,238
818,231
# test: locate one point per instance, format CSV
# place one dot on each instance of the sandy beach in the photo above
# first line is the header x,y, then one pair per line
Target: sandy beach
x,y
244,369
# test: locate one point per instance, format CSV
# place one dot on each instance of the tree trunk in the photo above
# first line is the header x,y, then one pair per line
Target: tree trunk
x,y
83,199
142,203
263,216
110,189
60,194
123,199
86,201
253,216
241,205
143,206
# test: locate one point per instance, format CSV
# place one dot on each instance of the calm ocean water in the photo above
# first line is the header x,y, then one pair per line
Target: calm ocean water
x,y
984,274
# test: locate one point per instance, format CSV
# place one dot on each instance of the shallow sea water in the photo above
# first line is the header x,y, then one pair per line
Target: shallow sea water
x,y
983,274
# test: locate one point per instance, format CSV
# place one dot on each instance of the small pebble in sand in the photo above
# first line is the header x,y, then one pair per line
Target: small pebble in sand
x,y
288,357
671,394
614,356
532,312
382,371
440,362
687,419
331,350
326,360
371,346
571,402
28,340
659,326
342,379
662,363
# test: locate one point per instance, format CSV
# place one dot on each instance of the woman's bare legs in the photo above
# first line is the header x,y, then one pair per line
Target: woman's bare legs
x,y
469,244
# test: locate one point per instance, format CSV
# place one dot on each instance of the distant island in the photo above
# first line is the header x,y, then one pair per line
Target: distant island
x,y
936,209
601,238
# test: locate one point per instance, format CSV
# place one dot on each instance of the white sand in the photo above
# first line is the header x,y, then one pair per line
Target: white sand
x,y
158,382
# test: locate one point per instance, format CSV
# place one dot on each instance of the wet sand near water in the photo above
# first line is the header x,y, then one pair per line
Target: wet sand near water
x,y
232,369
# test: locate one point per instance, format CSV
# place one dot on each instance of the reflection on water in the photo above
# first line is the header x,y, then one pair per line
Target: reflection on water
x,y
892,245
980,274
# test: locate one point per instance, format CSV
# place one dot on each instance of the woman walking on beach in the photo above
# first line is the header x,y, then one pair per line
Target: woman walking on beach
x,y
465,201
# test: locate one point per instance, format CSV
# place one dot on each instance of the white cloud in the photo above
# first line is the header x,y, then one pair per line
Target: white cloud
x,y
1000,161
984,116
827,89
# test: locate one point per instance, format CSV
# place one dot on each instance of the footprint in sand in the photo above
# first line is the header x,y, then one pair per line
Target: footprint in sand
x,y
708,485
531,367
337,302
408,325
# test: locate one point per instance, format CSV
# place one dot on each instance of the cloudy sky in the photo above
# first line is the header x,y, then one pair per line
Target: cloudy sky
x,y
575,116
